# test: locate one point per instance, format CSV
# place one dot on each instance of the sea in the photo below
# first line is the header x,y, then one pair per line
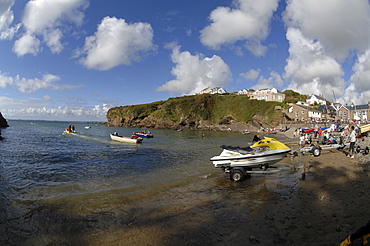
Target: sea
x,y
61,188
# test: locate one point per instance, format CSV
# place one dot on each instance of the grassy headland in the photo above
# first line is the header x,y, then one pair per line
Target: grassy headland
x,y
193,111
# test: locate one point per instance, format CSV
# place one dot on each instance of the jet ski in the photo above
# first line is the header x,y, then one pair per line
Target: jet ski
x,y
239,161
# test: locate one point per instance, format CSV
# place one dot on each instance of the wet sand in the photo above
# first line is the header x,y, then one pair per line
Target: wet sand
x,y
322,207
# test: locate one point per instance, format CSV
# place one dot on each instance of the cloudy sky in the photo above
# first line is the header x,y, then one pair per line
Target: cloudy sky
x,y
75,59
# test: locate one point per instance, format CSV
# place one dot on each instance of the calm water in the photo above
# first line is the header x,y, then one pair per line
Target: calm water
x,y
75,189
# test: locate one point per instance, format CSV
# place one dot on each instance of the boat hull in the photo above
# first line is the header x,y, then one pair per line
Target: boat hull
x,y
145,135
126,139
254,160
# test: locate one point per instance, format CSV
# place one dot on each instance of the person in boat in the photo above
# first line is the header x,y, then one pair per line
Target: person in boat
x,y
115,134
72,128
134,136
256,138
363,232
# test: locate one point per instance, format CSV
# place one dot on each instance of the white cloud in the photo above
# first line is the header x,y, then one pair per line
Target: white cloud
x,y
42,18
6,19
36,109
52,40
250,75
117,42
195,72
27,44
31,85
248,21
361,75
274,80
6,14
310,69
339,25
322,35
359,89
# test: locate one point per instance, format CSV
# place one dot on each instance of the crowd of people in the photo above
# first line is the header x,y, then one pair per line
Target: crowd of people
x,y
335,134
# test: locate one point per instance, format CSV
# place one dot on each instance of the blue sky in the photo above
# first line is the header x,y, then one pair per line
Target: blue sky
x,y
75,59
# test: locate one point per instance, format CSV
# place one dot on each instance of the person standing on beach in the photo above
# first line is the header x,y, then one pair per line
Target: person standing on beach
x,y
363,232
352,137
316,131
301,140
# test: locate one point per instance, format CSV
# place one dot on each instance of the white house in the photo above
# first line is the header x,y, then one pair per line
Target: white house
x,y
245,92
316,99
270,94
216,90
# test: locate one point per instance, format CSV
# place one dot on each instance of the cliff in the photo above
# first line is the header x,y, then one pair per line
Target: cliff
x,y
3,122
199,112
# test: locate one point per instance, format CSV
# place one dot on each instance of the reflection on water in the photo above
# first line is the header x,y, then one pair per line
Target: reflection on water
x,y
84,189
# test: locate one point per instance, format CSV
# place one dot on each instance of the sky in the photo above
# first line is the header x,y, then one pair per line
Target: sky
x,y
76,59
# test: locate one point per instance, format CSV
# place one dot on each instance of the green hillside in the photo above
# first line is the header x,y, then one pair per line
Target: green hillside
x,y
205,107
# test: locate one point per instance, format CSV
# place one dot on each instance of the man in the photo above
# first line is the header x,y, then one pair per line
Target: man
x,y
352,137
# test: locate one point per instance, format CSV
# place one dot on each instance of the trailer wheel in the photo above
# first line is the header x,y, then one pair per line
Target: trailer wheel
x,y
358,149
316,151
366,151
237,175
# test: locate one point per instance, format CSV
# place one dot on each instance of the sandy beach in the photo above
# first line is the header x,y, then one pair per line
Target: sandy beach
x,y
322,207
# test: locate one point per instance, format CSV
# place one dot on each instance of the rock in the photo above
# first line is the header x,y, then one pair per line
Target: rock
x,y
3,122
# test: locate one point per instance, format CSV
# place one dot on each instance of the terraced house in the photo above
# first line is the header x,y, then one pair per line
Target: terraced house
x,y
356,112
270,94
299,112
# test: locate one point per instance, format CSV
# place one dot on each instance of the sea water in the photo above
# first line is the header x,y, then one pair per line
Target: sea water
x,y
72,188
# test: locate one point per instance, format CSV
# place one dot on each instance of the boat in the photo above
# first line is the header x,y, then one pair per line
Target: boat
x,y
308,130
365,128
88,127
133,139
246,132
239,161
67,130
271,132
144,134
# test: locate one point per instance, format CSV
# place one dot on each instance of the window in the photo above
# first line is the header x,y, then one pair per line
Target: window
x,y
302,112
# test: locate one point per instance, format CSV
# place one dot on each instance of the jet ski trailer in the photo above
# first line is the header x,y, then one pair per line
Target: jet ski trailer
x,y
240,161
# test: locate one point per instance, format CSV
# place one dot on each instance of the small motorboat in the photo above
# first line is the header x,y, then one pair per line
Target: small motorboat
x,y
144,134
88,127
239,161
133,139
269,132
67,130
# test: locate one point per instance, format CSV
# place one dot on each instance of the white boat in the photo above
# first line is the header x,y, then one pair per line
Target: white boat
x,y
239,161
126,139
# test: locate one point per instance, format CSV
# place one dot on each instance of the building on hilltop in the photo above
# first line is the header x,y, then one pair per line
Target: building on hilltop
x,y
216,90
315,99
299,112
271,94
245,92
